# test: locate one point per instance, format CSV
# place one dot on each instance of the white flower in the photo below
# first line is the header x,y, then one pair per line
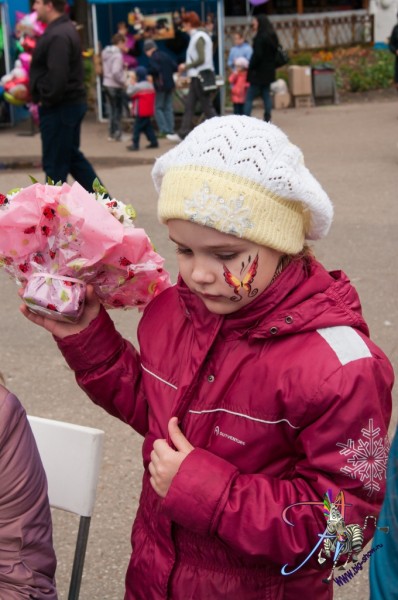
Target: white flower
x,y
210,210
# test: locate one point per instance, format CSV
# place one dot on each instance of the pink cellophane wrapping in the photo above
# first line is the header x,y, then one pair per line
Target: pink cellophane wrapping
x,y
61,298
66,232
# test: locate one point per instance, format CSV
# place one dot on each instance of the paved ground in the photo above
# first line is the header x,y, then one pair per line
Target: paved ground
x,y
352,149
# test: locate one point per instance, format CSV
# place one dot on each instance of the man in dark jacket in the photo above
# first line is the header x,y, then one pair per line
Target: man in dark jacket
x,y
56,84
393,45
162,67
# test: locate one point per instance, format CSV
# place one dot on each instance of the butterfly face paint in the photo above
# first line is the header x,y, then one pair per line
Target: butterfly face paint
x,y
243,282
211,263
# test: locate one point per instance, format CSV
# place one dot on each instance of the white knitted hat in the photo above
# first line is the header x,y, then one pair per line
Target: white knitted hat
x,y
241,61
243,177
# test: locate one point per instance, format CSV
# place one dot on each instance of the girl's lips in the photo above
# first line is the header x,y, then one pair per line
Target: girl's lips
x,y
211,296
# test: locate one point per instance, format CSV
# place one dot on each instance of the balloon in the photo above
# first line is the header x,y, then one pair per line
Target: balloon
x,y
28,44
25,59
257,2
11,100
29,24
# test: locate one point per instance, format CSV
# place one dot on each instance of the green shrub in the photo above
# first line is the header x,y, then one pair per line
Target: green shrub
x,y
368,70
302,59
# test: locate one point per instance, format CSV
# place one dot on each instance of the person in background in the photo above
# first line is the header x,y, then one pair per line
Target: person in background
x,y
199,57
383,567
177,45
130,50
393,46
114,84
27,558
162,67
239,85
254,379
261,71
142,93
211,29
57,85
240,48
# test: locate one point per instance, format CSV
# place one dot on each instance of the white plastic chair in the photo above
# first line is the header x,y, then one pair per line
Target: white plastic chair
x,y
71,456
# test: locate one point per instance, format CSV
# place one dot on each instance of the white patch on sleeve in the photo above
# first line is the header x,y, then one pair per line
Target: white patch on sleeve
x,y
346,343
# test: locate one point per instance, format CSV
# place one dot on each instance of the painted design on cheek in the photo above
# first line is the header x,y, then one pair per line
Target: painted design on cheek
x,y
245,279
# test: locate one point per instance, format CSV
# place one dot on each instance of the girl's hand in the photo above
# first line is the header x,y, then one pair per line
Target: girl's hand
x,y
61,329
165,461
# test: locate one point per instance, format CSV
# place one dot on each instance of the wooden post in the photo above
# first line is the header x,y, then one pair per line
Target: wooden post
x,y
295,35
300,6
326,25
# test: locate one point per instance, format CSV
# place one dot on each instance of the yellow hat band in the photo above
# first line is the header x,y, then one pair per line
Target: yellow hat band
x,y
233,205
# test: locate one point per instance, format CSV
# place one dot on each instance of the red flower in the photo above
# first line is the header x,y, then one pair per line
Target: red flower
x,y
52,307
38,258
49,212
112,204
124,262
68,283
117,303
52,254
45,230
24,267
3,200
30,229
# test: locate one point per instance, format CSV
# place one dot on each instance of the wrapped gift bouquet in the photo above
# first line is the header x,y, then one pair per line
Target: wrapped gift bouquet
x,y
55,239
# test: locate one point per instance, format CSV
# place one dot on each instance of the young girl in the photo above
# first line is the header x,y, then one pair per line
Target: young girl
x,y
239,85
257,388
27,559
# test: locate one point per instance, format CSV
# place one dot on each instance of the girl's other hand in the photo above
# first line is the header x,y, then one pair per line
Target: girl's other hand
x,y
165,461
61,329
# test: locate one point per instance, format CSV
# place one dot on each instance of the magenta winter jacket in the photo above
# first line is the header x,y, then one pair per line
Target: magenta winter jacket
x,y
27,559
283,400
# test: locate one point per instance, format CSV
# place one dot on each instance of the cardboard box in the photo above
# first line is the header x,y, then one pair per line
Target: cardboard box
x,y
282,100
302,101
300,81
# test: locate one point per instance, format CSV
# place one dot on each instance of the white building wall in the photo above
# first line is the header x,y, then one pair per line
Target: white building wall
x,y
385,12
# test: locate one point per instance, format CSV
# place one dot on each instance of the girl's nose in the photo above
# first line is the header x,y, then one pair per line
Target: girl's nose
x,y
201,272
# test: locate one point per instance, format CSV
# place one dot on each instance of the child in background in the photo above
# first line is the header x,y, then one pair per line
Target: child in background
x,y
142,93
27,559
255,374
240,48
114,83
239,84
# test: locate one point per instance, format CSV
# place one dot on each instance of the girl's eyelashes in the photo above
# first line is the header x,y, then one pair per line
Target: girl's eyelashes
x,y
181,250
222,257
225,257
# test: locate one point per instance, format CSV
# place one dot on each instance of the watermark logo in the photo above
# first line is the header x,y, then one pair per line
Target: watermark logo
x,y
337,540
350,574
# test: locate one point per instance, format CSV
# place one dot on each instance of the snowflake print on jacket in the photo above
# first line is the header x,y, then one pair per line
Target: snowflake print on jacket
x,y
368,457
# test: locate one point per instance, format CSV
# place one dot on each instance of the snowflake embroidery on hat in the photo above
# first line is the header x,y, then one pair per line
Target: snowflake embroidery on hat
x,y
210,210
367,457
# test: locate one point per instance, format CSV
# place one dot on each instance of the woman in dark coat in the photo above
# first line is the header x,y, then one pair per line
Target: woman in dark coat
x,y
261,71
393,45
